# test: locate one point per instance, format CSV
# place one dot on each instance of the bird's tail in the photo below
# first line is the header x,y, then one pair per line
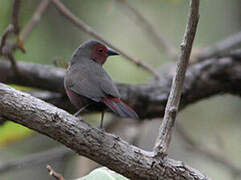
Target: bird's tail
x,y
119,107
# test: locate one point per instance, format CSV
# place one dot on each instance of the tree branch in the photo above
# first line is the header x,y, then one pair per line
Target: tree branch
x,y
104,148
6,49
164,137
220,48
80,24
203,80
5,34
15,13
16,27
35,18
54,174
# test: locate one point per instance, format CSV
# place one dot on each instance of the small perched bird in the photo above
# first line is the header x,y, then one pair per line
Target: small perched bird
x,y
89,86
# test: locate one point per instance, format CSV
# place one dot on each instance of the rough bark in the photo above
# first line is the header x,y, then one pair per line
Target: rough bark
x,y
106,149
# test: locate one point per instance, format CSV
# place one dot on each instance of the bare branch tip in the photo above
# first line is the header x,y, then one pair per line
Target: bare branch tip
x,y
54,174
164,137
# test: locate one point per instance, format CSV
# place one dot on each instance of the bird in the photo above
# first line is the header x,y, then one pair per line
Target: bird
x,y
87,84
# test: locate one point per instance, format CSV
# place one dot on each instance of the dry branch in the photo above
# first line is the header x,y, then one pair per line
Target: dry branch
x,y
80,24
104,148
203,80
5,34
164,137
16,27
220,48
149,100
159,41
7,49
35,18
15,14
54,174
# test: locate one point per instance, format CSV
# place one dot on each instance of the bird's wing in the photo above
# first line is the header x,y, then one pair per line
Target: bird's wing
x,y
93,82
108,86
81,85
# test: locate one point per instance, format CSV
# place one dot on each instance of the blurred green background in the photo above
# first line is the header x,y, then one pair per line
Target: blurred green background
x,y
214,122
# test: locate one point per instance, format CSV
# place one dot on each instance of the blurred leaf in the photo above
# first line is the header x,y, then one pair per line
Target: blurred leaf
x,y
11,132
103,174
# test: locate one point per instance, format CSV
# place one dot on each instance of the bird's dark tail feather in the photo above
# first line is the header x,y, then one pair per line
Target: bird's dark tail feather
x,y
119,107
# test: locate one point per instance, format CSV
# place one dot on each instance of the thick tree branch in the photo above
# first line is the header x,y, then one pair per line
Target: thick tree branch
x,y
80,24
164,137
203,80
106,149
34,75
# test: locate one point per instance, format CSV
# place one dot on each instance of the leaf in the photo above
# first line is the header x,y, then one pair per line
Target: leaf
x,y
11,132
103,173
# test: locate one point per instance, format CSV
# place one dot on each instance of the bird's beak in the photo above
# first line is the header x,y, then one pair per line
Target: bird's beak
x,y
111,52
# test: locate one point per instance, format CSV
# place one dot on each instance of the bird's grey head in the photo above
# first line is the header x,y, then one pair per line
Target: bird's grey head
x,y
92,50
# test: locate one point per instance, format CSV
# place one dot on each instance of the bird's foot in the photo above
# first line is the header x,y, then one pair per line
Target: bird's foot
x,y
80,110
101,127
102,121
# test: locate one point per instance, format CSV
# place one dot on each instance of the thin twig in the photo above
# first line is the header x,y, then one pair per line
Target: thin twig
x,y
15,23
15,14
54,174
164,137
5,34
13,62
35,18
159,41
70,16
5,48
220,48
198,148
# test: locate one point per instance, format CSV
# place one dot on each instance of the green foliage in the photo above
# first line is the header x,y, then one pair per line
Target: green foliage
x,y
103,174
11,132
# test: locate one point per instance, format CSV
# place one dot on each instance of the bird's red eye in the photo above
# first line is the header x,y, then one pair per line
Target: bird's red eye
x,y
100,50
